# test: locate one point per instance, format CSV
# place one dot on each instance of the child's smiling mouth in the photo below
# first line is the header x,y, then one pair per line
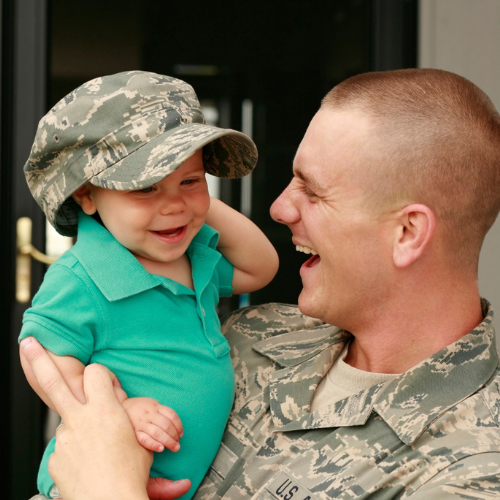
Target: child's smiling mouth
x,y
172,235
170,232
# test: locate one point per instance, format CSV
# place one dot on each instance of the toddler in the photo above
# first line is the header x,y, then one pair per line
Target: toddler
x,y
120,163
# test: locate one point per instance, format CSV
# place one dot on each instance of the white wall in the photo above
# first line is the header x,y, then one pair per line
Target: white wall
x,y
463,36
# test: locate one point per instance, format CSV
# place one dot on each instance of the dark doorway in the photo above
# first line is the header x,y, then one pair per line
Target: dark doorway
x,y
281,57
260,66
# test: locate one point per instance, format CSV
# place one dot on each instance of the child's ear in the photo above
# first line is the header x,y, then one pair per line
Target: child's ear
x,y
83,196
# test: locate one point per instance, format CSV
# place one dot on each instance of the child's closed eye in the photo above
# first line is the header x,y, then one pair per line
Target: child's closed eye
x,y
146,190
189,182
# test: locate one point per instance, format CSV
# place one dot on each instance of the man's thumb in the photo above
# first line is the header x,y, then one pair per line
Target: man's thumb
x,y
164,489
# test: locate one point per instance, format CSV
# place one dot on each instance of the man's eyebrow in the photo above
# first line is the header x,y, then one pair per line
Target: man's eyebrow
x,y
307,179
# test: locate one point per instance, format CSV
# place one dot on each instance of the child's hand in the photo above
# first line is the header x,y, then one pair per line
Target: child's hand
x,y
156,426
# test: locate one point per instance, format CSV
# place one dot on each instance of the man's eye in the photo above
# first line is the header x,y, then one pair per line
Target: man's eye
x,y
186,182
308,192
147,190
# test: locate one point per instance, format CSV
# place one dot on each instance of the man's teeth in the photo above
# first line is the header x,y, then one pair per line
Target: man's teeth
x,y
305,250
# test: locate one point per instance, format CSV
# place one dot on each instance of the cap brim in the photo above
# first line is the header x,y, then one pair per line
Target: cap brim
x,y
228,153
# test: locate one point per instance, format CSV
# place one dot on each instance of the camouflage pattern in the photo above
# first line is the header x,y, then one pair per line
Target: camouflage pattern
x,y
125,131
432,433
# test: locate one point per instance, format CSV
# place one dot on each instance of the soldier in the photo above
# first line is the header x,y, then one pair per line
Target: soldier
x,y
394,187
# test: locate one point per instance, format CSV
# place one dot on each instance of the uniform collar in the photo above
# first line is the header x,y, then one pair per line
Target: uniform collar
x,y
408,403
115,271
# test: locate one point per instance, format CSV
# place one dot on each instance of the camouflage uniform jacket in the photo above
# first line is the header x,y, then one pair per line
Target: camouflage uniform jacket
x,y
432,433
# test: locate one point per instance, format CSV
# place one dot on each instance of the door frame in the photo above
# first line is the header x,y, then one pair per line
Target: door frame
x,y
23,90
23,102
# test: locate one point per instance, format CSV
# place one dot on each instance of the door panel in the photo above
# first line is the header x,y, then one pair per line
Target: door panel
x,y
280,56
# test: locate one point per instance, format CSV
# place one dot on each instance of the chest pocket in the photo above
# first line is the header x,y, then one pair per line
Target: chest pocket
x,y
225,468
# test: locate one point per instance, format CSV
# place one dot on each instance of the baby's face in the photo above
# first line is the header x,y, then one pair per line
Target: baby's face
x,y
157,223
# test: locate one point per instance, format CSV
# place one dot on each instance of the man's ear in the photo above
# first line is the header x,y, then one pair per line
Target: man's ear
x,y
83,196
416,225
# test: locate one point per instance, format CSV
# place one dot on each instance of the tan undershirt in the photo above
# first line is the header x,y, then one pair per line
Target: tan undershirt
x,y
342,381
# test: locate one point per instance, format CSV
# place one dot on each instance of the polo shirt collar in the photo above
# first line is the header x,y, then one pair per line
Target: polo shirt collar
x,y
408,403
203,256
114,270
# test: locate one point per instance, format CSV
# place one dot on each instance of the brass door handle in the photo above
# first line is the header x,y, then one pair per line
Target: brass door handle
x,y
26,251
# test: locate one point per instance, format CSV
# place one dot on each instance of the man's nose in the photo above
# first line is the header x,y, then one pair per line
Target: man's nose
x,y
283,210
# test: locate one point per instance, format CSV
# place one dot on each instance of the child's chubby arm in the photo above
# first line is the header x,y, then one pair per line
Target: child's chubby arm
x,y
156,426
71,369
252,255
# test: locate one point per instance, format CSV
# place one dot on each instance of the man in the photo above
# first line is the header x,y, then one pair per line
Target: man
x,y
395,185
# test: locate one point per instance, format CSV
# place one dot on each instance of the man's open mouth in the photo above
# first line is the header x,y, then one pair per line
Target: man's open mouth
x,y
307,250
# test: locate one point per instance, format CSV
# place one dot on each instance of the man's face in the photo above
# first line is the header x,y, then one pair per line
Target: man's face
x,y
158,223
323,207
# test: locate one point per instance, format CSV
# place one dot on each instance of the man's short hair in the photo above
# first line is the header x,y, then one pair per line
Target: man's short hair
x,y
437,136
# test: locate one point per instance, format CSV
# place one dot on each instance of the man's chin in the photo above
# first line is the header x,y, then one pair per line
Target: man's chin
x,y
307,305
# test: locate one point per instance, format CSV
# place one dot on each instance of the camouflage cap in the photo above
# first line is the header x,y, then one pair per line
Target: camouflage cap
x,y
125,131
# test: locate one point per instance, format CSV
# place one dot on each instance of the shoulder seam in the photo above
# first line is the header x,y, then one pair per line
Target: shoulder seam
x,y
71,269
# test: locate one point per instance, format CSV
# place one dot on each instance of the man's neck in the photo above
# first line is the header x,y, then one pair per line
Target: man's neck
x,y
408,335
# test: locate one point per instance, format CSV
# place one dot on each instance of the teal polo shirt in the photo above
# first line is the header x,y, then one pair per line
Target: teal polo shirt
x,y
162,339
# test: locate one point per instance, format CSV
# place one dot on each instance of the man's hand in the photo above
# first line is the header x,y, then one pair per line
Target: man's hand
x,y
164,489
97,456
156,426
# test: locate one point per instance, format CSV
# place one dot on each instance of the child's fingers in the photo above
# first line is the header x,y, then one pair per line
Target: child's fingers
x,y
148,442
173,417
163,423
154,438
